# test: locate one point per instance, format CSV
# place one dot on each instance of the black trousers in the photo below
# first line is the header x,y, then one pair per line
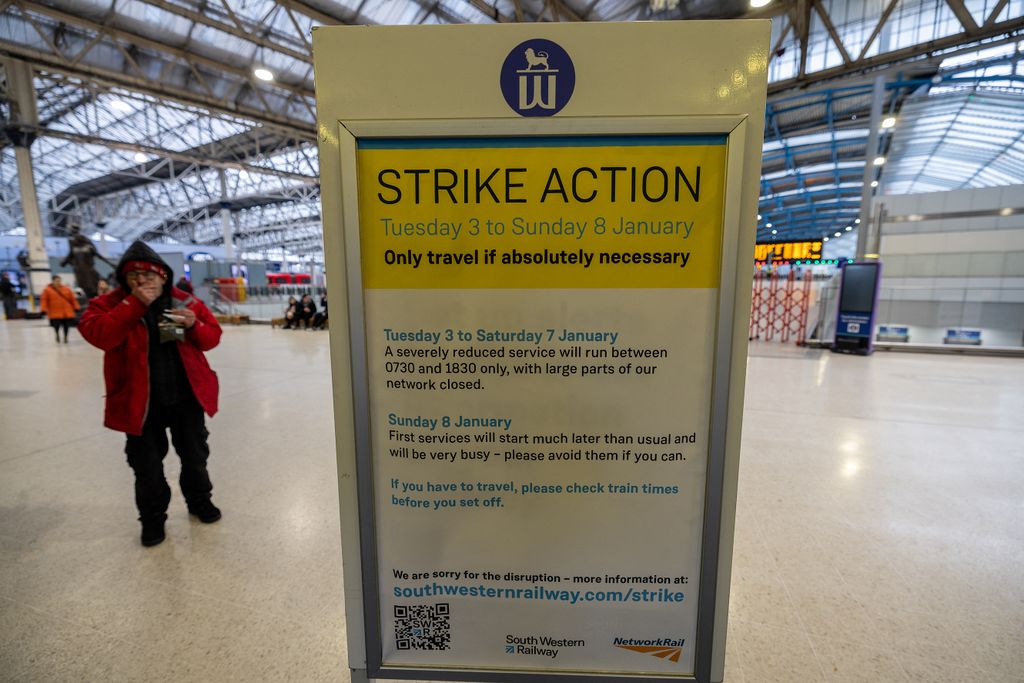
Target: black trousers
x,y
146,453
10,306
58,323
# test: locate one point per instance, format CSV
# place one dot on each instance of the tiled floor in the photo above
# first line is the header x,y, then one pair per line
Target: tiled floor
x,y
880,524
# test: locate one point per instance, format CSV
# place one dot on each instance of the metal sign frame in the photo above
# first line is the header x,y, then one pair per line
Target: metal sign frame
x,y
341,127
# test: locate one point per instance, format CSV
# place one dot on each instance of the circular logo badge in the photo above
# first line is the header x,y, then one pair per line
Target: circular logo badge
x,y
537,78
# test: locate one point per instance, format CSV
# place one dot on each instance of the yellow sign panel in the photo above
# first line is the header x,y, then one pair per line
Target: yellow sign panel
x,y
788,250
587,212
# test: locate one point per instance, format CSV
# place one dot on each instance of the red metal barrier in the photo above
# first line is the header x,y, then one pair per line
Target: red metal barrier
x,y
779,307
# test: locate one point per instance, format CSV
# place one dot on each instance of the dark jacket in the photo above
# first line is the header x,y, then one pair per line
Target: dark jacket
x,y
117,323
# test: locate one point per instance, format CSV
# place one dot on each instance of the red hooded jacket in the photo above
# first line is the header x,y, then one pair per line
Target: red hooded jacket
x,y
114,323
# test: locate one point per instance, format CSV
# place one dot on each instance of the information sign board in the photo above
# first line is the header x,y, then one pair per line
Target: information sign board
x,y
539,365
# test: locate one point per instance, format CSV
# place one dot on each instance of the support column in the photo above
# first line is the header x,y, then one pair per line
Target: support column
x,y
867,192
101,226
225,219
874,245
23,112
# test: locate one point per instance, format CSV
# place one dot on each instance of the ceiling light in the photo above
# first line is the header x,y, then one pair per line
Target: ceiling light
x,y
120,105
849,228
858,220
775,232
141,158
1006,212
758,216
879,161
839,234
263,74
759,3
825,239
767,225
874,183
889,122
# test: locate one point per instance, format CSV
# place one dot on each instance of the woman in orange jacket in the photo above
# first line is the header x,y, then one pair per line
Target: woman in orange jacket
x,y
59,304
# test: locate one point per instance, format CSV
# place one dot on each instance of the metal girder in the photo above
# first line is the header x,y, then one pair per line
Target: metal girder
x,y
254,152
64,61
563,9
76,46
281,236
268,225
827,21
133,39
800,17
995,12
285,225
240,29
878,29
963,15
314,13
188,219
492,11
1011,28
198,162
435,7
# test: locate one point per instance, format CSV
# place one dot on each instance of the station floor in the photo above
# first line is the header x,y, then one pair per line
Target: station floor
x,y
880,524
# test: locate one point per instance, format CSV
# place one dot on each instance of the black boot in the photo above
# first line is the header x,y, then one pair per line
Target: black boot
x,y
153,531
205,510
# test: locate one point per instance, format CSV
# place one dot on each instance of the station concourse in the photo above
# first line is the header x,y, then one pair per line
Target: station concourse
x,y
878,543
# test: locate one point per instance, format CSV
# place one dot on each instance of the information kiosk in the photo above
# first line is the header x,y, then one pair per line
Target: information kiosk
x,y
858,296
541,235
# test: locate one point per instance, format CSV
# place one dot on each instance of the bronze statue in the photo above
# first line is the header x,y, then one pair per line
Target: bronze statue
x,y
82,255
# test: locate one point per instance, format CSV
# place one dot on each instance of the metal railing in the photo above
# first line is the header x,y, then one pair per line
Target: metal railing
x,y
220,303
266,294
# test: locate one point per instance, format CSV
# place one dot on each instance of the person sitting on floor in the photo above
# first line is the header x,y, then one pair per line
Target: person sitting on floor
x,y
305,311
320,319
289,312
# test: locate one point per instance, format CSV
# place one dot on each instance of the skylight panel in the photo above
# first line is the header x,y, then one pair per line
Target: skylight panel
x,y
152,21
978,56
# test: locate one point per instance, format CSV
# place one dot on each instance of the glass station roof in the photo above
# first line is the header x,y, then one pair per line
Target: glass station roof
x,y
153,114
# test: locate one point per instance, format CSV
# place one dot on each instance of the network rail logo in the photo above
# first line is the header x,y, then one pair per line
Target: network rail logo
x,y
662,648
537,78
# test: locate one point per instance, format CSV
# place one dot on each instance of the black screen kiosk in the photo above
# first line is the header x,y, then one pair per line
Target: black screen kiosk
x,y
858,298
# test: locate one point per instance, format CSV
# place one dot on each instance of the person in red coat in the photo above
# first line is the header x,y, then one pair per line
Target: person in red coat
x,y
157,379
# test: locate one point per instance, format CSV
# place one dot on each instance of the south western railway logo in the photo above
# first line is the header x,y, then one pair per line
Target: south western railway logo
x,y
537,78
662,648
540,646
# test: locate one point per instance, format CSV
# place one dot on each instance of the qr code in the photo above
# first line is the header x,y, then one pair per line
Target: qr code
x,y
423,627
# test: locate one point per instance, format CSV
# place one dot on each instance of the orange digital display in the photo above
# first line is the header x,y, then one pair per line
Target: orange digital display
x,y
786,251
